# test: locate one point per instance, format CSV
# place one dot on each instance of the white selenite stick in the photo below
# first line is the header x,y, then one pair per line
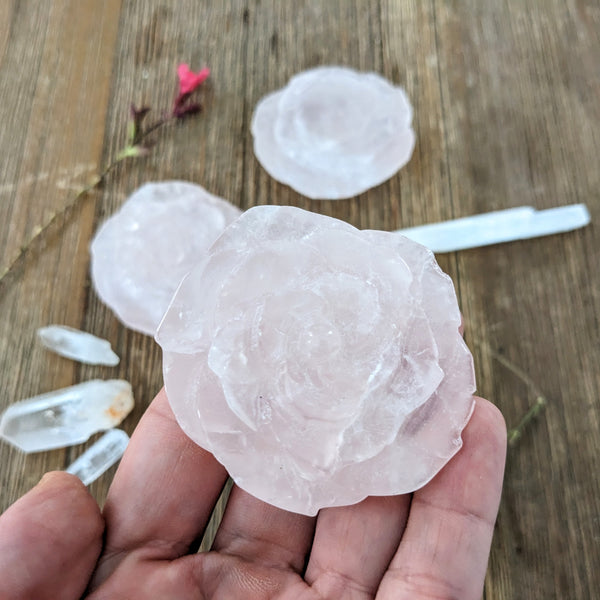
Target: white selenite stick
x,y
499,226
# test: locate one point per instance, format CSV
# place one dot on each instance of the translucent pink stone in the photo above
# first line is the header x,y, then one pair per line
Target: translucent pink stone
x,y
320,364
141,253
333,132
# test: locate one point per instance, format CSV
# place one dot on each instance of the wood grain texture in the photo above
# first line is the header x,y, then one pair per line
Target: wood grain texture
x,y
507,107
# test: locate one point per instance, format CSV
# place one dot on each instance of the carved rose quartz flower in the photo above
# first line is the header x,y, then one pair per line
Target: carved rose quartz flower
x,y
333,132
318,363
141,253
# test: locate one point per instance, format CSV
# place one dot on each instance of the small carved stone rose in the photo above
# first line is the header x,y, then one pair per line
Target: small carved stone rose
x,y
333,132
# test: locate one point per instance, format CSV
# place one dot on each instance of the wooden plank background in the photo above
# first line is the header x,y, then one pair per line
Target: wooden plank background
x,y
507,109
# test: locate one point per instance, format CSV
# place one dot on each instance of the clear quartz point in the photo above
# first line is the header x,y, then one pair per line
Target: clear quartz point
x,y
66,416
100,456
77,345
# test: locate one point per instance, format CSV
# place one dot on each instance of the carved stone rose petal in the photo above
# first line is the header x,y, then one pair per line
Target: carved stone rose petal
x,y
141,253
333,132
320,364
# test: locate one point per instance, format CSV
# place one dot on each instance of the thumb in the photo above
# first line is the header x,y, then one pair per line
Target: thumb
x,y
50,541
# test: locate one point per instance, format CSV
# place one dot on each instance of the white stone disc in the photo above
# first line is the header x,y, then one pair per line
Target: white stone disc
x,y
333,132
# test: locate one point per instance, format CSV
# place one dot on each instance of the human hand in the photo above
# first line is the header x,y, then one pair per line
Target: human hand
x,y
430,544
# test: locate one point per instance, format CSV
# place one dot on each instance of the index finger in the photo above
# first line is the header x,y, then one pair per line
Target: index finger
x,y
445,547
163,492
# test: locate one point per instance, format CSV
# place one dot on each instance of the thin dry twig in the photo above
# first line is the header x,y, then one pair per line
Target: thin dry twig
x,y
137,145
39,232
515,433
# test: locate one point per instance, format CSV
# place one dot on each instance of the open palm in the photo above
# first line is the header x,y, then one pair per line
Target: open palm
x,y
56,544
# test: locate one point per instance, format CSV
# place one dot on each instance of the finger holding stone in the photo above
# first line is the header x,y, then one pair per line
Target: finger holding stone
x,y
445,547
50,540
262,533
353,546
163,493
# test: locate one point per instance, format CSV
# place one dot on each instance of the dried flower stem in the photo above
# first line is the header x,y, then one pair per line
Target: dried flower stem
x,y
136,146
130,150
515,433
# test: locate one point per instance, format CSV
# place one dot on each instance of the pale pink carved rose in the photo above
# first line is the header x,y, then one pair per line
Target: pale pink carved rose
x,y
142,252
333,132
320,364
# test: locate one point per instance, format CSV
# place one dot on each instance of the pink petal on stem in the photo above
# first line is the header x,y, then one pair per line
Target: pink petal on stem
x,y
188,80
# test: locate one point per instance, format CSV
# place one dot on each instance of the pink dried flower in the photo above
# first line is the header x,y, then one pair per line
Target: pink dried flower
x,y
188,80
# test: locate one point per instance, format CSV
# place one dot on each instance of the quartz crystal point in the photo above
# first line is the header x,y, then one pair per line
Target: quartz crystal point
x,y
100,456
77,345
141,253
333,132
318,363
67,416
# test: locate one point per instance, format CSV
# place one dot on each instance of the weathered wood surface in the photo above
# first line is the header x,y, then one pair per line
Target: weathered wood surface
x,y
507,110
